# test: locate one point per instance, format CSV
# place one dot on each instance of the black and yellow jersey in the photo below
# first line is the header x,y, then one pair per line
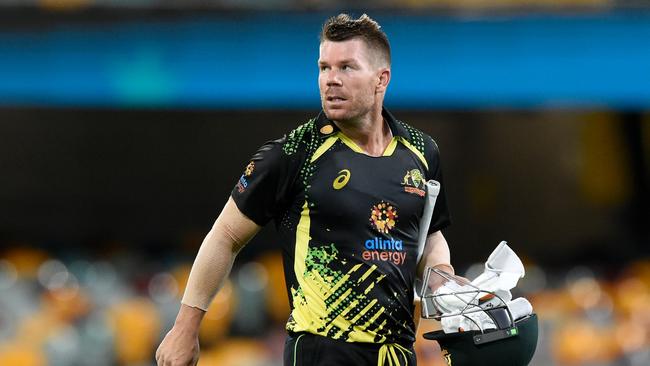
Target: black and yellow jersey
x,y
349,224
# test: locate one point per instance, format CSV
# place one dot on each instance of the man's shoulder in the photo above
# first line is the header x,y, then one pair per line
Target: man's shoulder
x,y
295,142
301,138
419,139
290,152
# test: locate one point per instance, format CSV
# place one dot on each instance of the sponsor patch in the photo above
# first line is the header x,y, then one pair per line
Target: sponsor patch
x,y
242,184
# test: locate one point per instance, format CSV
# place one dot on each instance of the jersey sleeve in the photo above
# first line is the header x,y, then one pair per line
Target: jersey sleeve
x,y
262,192
441,217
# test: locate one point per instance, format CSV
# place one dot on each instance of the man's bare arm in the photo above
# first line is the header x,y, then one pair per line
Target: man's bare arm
x,y
230,232
436,254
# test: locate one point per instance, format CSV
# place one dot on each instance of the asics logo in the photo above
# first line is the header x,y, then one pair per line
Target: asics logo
x,y
342,179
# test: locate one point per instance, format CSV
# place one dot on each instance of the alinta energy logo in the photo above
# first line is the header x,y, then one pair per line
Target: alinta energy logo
x,y
383,217
243,182
413,182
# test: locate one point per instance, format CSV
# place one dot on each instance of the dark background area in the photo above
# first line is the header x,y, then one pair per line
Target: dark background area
x,y
557,185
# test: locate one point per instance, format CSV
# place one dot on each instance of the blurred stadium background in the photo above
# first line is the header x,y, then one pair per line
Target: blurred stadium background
x,y
124,125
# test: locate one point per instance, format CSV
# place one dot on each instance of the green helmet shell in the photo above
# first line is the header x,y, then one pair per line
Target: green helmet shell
x,y
514,346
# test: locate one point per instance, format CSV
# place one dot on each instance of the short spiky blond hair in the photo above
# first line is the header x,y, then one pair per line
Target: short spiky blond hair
x,y
343,27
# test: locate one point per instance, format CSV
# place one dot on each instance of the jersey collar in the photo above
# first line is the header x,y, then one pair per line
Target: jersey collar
x,y
326,127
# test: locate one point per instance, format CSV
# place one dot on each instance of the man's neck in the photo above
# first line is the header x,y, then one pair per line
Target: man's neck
x,y
370,132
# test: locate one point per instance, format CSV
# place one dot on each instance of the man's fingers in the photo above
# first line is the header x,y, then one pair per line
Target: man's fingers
x,y
159,358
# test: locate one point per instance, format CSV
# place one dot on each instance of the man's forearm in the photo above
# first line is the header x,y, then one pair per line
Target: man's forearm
x,y
189,318
436,253
230,232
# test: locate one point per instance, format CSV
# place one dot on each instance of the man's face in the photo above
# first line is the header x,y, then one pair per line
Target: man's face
x,y
348,79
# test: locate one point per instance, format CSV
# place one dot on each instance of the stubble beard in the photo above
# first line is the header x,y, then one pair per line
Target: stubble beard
x,y
351,116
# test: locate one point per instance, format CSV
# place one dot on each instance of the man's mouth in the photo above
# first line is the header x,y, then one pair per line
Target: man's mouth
x,y
335,98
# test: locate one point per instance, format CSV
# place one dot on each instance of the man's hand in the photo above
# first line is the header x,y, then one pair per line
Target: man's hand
x,y
180,347
436,280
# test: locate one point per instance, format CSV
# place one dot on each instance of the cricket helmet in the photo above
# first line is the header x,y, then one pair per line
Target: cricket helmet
x,y
494,335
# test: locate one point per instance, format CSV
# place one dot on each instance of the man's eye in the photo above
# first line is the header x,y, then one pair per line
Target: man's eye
x,y
346,67
324,68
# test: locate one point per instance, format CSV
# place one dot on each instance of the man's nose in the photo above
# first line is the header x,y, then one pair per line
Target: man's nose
x,y
333,78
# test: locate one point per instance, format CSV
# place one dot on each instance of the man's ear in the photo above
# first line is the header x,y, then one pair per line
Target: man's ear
x,y
383,80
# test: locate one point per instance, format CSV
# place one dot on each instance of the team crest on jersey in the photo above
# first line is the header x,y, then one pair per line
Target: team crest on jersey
x,y
383,217
243,182
413,182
